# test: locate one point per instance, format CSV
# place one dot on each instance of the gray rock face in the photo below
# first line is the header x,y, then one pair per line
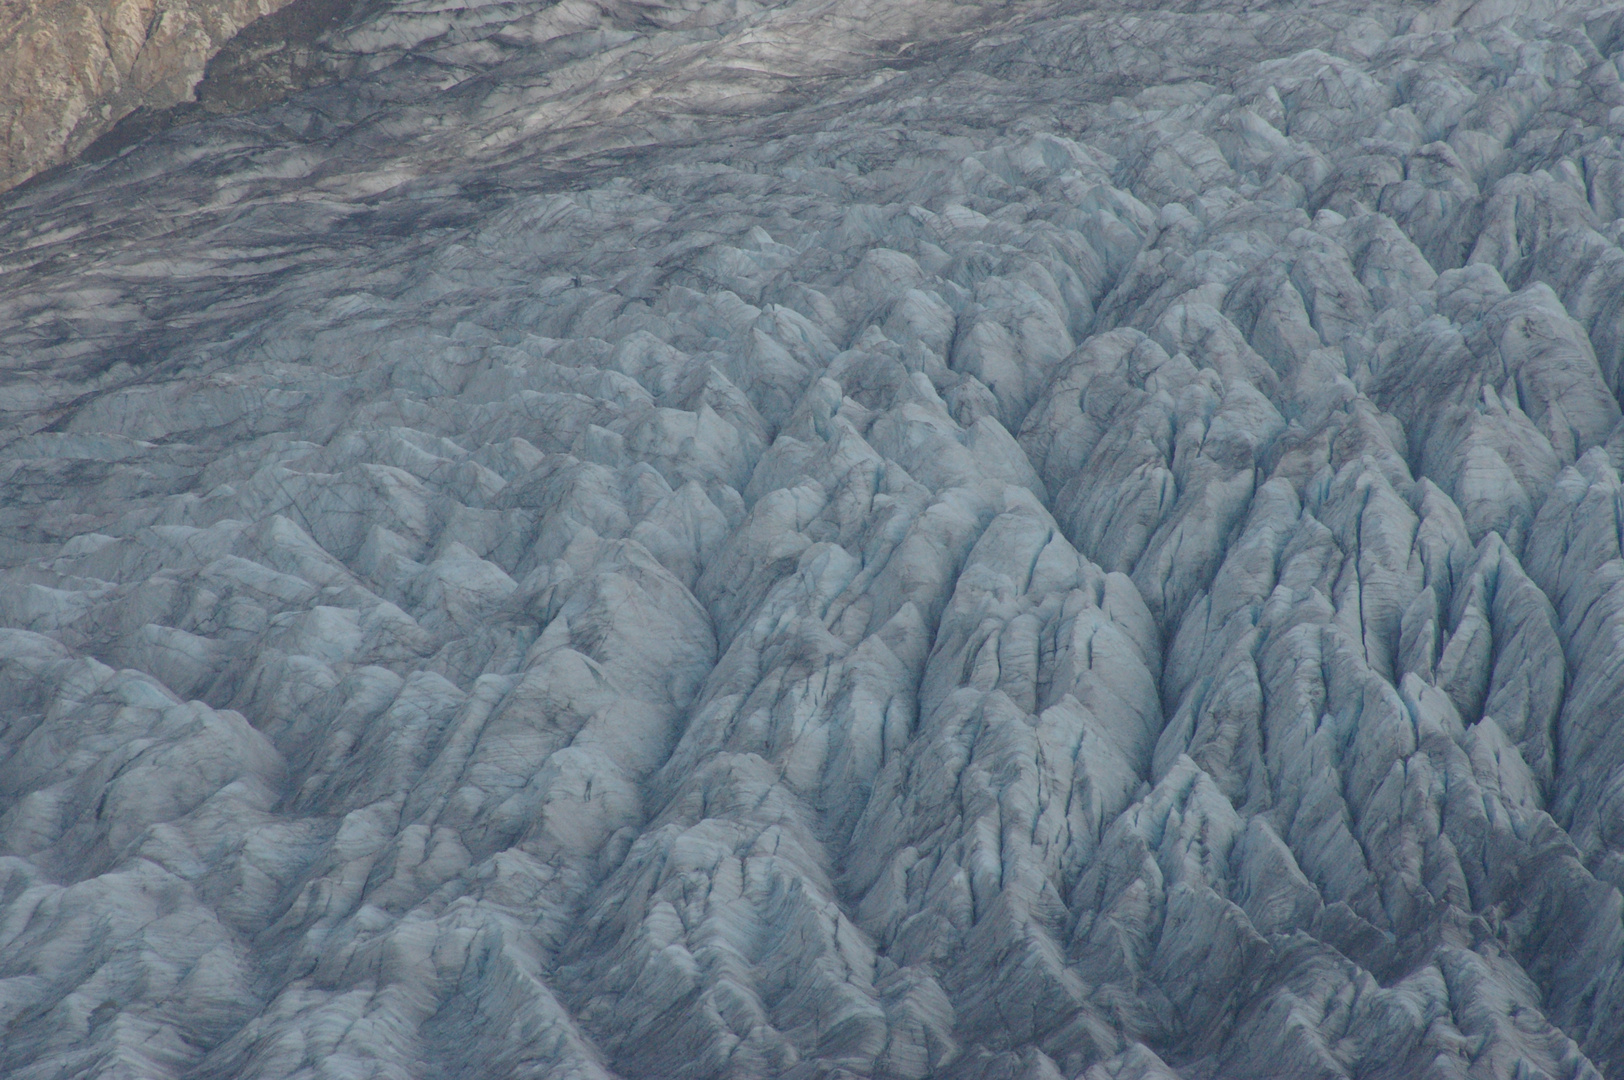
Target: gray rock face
x,y
72,69
836,538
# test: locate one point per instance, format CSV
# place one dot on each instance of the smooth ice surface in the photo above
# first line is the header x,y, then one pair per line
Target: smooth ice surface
x,y
834,538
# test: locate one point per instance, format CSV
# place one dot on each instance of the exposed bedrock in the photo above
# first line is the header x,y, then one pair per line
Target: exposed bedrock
x,y
72,69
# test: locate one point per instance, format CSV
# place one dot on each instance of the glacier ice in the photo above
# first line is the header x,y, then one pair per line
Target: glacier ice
x,y
830,538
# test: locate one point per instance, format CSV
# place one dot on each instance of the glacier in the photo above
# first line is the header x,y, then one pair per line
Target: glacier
x,y
727,539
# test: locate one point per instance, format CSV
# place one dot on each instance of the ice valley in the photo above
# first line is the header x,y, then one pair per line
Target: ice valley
x,y
829,538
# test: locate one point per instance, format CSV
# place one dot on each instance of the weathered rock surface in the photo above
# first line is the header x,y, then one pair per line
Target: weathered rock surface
x,y
839,538
72,69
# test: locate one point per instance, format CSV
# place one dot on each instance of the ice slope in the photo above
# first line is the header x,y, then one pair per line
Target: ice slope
x,y
831,539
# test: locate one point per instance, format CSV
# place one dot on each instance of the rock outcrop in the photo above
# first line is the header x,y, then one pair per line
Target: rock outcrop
x,y
74,69
841,538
